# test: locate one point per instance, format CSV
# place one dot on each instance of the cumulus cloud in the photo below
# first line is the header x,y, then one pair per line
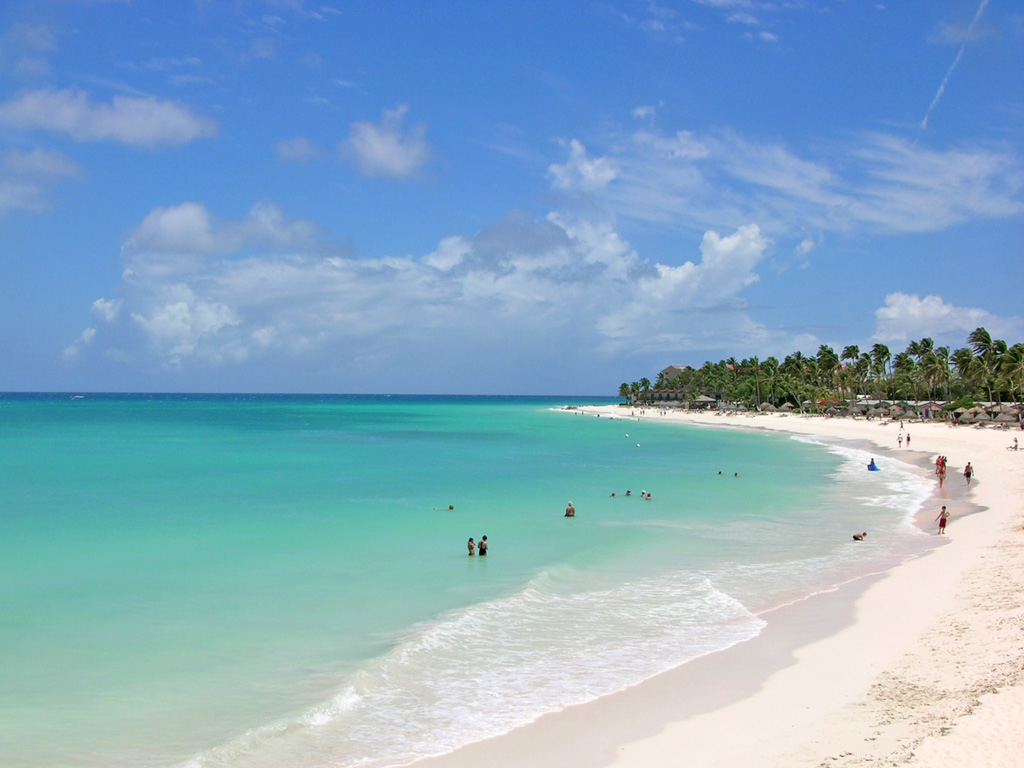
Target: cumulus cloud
x,y
907,316
190,228
84,339
387,148
581,173
665,294
137,121
538,286
176,328
106,309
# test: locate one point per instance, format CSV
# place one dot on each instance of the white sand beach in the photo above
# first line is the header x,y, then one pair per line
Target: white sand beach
x,y
920,666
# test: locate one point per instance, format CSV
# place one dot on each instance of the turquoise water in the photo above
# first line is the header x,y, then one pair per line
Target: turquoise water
x,y
279,580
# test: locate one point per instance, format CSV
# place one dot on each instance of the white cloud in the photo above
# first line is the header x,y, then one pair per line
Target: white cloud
x,y
106,309
138,121
387,148
176,328
190,228
581,173
910,188
26,47
741,17
41,163
26,176
538,285
645,112
84,339
878,182
297,150
907,316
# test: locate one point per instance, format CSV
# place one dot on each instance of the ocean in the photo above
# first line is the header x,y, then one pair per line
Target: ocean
x,y
191,581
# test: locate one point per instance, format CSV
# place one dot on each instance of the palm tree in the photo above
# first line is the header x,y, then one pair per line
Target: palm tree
x,y
922,369
753,367
847,378
970,369
989,350
880,357
770,369
1011,366
863,369
905,372
934,369
919,349
828,365
645,388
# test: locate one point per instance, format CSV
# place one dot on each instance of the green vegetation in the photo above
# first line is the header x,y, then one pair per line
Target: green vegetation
x,y
986,369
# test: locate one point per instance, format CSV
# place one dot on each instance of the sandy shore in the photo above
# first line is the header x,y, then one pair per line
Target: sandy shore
x,y
920,666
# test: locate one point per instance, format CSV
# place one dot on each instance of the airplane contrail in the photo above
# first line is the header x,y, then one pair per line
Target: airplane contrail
x,y
949,72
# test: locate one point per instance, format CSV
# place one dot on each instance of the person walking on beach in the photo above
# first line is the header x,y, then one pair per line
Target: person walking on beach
x,y
942,518
471,546
940,470
968,473
482,546
570,511
908,439
900,439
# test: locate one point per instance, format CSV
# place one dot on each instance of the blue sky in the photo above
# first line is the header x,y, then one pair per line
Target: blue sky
x,y
527,197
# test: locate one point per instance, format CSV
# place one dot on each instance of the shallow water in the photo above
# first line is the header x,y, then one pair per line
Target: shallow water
x,y
278,580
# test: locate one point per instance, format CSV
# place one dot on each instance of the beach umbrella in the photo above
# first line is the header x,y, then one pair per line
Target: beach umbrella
x,y
1007,417
1002,408
769,407
787,407
982,417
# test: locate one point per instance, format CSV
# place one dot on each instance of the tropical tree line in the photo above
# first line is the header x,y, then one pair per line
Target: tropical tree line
x,y
985,369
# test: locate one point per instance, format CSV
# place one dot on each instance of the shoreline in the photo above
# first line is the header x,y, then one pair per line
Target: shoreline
x,y
896,668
